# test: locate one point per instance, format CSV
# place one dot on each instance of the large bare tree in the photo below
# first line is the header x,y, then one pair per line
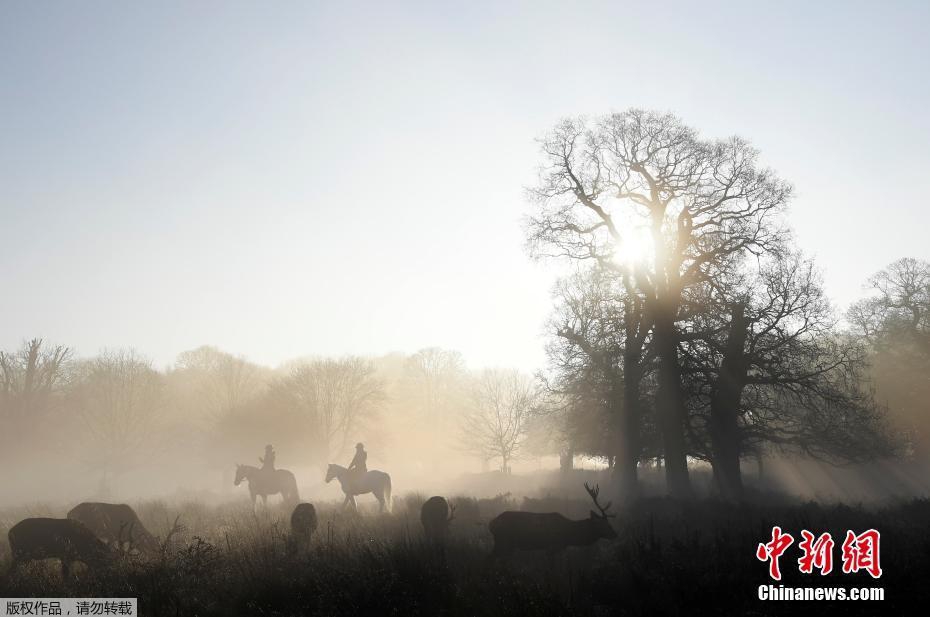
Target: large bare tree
x,y
703,202
767,369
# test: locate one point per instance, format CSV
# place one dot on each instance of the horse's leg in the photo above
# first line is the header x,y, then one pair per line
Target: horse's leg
x,y
265,501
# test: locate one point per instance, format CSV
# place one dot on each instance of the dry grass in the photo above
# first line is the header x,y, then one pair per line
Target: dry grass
x,y
669,558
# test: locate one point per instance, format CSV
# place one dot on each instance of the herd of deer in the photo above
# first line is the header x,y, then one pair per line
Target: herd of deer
x,y
94,533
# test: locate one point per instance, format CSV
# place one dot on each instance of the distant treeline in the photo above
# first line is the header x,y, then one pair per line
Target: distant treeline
x,y
115,413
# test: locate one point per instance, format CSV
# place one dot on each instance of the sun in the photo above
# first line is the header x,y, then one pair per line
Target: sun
x,y
634,247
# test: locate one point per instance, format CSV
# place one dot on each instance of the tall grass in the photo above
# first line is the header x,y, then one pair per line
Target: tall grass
x,y
670,558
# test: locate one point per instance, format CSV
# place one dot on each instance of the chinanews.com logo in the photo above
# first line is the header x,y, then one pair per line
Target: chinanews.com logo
x,y
859,553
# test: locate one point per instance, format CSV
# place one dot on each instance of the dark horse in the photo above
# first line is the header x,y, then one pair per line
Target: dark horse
x,y
375,482
264,483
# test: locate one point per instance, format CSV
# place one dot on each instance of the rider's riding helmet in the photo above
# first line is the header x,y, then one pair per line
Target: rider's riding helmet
x,y
360,446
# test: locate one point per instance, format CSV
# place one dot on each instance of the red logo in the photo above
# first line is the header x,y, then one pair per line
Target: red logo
x,y
860,552
817,553
773,550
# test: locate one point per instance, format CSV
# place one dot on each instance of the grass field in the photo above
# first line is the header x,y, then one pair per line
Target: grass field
x,y
670,558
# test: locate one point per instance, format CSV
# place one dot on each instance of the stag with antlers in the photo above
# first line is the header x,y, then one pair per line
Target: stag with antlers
x,y
550,531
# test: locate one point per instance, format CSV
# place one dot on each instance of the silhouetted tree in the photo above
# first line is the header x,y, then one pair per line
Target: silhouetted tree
x,y
599,355
899,305
502,405
768,370
32,381
895,320
434,379
221,380
119,397
704,202
209,390
336,397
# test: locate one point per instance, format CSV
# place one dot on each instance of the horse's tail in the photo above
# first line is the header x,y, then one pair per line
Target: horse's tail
x,y
388,503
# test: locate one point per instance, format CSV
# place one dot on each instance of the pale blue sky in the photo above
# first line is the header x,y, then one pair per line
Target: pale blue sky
x,y
282,179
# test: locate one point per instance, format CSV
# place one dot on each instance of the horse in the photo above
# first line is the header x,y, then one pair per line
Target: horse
x,y
263,483
376,482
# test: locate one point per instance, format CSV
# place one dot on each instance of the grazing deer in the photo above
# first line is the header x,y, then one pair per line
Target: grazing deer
x,y
436,516
110,521
303,524
551,531
57,538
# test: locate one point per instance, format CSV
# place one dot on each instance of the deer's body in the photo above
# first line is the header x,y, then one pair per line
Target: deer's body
x,y
435,516
303,524
534,531
54,538
550,531
115,523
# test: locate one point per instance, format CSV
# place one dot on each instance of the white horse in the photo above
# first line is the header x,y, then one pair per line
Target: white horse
x,y
376,482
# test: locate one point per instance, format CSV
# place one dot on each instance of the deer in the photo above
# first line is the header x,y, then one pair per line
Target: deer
x,y
435,515
52,538
550,531
109,521
303,524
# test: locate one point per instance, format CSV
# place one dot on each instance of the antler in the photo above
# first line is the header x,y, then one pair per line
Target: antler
x,y
175,528
594,492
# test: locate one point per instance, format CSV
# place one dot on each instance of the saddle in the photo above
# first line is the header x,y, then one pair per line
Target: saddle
x,y
355,479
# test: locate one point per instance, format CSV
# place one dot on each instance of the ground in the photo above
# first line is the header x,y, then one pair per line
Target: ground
x,y
670,558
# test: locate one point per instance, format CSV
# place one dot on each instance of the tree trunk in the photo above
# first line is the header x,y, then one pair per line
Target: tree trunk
x,y
724,408
566,460
625,421
670,403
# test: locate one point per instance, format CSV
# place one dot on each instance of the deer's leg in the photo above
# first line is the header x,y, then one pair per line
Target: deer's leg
x,y
501,550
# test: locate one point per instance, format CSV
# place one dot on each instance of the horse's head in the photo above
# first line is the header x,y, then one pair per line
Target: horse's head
x,y
332,472
240,474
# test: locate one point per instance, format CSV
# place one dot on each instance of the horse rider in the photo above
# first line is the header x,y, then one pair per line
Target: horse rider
x,y
359,464
267,461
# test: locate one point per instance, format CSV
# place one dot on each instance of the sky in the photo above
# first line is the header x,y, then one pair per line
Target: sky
x,y
296,178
